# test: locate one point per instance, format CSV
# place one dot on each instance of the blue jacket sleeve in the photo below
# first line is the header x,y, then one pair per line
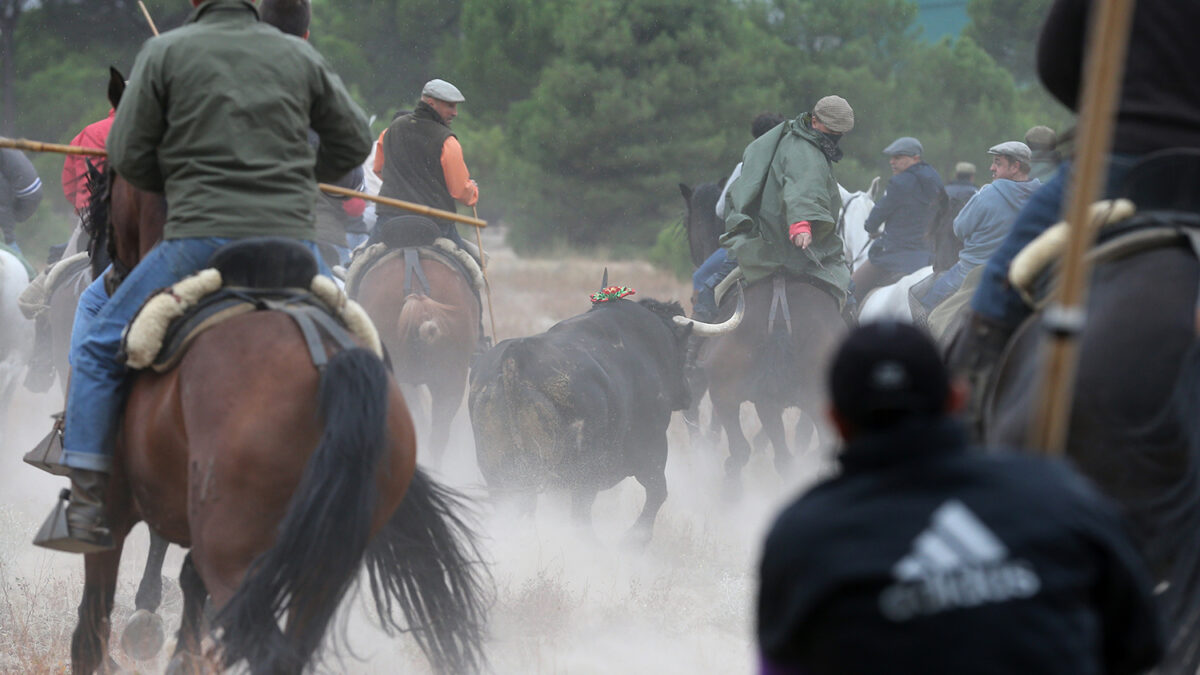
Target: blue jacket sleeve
x,y
900,184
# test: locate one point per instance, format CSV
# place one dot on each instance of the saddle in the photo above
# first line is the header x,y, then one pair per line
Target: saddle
x,y
1167,213
256,274
414,238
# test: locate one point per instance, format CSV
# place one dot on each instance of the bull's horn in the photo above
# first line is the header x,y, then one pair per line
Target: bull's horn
x,y
712,329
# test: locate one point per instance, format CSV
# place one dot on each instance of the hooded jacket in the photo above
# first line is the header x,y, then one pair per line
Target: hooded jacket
x,y
787,177
985,221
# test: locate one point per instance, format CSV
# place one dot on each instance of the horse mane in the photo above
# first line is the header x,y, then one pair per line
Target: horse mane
x,y
95,219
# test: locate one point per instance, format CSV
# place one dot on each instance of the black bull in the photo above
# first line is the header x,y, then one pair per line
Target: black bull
x,y
1135,408
583,406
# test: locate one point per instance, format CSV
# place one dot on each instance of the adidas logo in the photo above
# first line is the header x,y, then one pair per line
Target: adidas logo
x,y
955,563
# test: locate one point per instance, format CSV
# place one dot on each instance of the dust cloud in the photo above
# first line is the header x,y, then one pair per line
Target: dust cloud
x,y
569,598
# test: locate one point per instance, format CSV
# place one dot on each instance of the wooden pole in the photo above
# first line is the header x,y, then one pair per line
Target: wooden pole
x,y
483,267
1108,37
38,146
146,13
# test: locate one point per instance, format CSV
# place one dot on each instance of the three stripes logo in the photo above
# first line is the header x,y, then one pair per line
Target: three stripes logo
x,y
955,563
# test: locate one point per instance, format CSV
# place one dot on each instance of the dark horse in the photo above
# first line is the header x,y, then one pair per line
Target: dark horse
x,y
1133,427
701,223
429,324
283,480
775,363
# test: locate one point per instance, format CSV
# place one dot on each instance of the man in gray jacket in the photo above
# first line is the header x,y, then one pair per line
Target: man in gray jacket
x,y
986,219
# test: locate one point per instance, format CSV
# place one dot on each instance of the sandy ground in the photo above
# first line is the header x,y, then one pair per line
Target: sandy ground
x,y
567,601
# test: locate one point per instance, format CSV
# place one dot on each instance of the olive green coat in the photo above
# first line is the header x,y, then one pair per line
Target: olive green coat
x,y
787,167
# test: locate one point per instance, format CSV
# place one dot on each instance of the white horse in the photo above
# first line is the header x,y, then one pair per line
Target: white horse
x,y
16,332
887,302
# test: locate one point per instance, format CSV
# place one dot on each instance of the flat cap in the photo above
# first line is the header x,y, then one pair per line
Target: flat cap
x,y
964,167
905,145
835,113
1015,149
1041,138
442,91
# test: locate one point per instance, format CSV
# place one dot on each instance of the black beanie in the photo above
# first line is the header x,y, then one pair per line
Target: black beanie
x,y
885,373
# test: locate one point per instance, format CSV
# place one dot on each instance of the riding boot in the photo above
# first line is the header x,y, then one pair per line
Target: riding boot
x,y
705,307
40,374
974,355
82,526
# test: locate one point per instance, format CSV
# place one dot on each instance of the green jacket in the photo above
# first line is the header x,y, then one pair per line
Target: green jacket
x,y
794,177
216,116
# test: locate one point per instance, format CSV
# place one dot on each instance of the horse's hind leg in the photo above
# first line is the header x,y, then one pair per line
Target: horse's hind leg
x,y
188,658
143,635
446,398
729,412
770,414
89,644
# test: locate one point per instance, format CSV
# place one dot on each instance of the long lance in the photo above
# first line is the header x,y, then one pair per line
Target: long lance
x,y
483,268
1108,37
38,146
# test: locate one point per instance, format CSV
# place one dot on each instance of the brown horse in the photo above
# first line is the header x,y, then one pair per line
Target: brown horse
x,y
775,363
430,327
283,479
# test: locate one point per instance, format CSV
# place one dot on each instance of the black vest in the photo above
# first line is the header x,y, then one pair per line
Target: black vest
x,y
412,162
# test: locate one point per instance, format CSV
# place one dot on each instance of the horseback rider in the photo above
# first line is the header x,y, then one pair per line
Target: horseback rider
x,y
783,209
423,160
230,166
1158,108
985,220
35,298
1043,143
960,190
910,206
20,194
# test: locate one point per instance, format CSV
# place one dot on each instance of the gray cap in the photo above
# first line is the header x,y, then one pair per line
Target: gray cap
x,y
442,91
964,167
905,145
1041,137
835,113
1015,149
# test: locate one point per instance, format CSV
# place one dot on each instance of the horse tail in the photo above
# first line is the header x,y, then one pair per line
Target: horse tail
x,y
423,318
321,540
426,561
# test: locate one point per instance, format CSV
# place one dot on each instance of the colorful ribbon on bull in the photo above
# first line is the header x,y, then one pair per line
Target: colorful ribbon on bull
x,y
611,293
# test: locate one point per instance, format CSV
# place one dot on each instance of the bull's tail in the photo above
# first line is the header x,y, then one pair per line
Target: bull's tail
x,y
423,318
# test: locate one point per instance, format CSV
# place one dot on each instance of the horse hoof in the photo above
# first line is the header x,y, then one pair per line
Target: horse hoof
x,y
143,636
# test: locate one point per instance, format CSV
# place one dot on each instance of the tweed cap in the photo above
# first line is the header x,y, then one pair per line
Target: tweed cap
x,y
905,145
442,91
964,167
1015,149
835,113
885,372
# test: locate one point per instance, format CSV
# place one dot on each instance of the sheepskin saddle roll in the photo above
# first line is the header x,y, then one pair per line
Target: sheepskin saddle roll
x,y
261,273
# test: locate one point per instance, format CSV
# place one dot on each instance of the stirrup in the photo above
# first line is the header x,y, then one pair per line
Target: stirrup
x,y
55,532
48,454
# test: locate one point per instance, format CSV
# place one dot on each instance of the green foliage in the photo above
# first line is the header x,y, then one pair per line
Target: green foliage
x,y
670,251
1008,31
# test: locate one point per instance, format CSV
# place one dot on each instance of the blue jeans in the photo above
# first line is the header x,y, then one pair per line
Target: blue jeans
x,y
708,267
946,284
91,301
98,380
995,299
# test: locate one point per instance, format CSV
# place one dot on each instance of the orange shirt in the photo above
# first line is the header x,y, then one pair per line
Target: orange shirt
x,y
454,170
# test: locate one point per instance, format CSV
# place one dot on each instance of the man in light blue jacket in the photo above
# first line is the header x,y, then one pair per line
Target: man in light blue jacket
x,y
987,217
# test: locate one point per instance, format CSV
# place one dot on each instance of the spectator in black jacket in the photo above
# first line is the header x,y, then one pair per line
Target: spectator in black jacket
x,y
926,557
909,207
